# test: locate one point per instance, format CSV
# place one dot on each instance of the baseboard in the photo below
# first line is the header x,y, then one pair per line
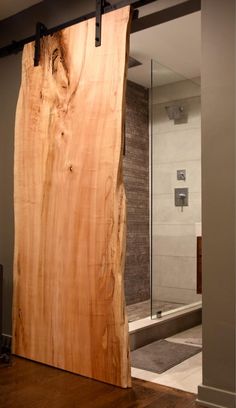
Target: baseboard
x,y
207,404
215,398
6,341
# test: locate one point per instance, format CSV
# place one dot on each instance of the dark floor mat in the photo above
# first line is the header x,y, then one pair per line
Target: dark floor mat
x,y
162,355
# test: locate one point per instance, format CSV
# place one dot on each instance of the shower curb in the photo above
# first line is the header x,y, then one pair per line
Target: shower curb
x,y
165,328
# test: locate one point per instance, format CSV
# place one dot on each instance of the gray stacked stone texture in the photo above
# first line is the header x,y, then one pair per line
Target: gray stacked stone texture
x,y
136,178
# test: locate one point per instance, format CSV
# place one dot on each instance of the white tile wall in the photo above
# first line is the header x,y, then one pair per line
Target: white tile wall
x,y
174,230
176,147
174,271
164,177
164,210
180,245
176,91
176,295
191,105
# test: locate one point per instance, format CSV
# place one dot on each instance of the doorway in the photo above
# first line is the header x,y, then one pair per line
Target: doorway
x,y
173,185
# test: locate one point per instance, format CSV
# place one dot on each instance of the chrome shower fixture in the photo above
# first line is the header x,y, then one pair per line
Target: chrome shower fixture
x,y
176,113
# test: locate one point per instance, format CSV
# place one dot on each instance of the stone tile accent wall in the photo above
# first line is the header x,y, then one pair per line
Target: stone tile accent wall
x,y
136,178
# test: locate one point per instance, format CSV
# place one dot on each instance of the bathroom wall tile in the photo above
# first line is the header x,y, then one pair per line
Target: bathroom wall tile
x,y
174,272
136,180
176,295
174,245
165,177
177,146
165,211
173,230
178,90
137,288
162,123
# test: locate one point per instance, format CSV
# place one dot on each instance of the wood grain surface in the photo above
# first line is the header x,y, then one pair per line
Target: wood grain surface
x,y
70,211
26,384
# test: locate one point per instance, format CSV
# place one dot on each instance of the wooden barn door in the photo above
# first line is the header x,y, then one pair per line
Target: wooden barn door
x,y
69,307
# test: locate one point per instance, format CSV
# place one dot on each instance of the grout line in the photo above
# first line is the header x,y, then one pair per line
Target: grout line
x,y
180,224
184,98
174,256
176,287
177,161
166,132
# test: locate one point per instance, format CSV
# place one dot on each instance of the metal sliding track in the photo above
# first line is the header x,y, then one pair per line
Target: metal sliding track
x,y
103,7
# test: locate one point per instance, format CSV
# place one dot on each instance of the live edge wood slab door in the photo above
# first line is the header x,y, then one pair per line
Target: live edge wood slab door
x,y
69,306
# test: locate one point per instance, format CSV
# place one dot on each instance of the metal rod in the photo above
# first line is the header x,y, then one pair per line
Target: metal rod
x,y
168,14
138,24
17,46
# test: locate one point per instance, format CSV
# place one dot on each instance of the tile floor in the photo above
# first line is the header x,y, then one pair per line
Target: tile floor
x,y
141,310
185,376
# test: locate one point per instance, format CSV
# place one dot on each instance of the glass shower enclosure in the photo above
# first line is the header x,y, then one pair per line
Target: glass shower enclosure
x,y
175,185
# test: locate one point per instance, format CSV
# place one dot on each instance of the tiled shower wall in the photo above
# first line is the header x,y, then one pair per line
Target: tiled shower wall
x,y
176,147
136,178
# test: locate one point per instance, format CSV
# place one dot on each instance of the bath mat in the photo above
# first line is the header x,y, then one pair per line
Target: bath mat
x,y
161,355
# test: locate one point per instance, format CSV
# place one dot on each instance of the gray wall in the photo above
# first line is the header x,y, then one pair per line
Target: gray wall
x,y
218,190
23,24
136,178
218,149
49,12
18,27
9,83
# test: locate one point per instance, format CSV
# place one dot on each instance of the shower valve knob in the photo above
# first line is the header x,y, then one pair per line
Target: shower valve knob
x,y
181,197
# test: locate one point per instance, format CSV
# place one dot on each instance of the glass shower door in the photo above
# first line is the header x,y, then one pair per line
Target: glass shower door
x,y
175,111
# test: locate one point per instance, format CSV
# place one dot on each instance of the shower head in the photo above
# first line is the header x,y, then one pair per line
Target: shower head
x,y
175,112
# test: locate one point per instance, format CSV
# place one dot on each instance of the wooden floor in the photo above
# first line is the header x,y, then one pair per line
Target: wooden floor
x,y
26,384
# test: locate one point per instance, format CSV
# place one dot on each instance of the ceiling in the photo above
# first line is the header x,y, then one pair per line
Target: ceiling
x,y
10,7
175,45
